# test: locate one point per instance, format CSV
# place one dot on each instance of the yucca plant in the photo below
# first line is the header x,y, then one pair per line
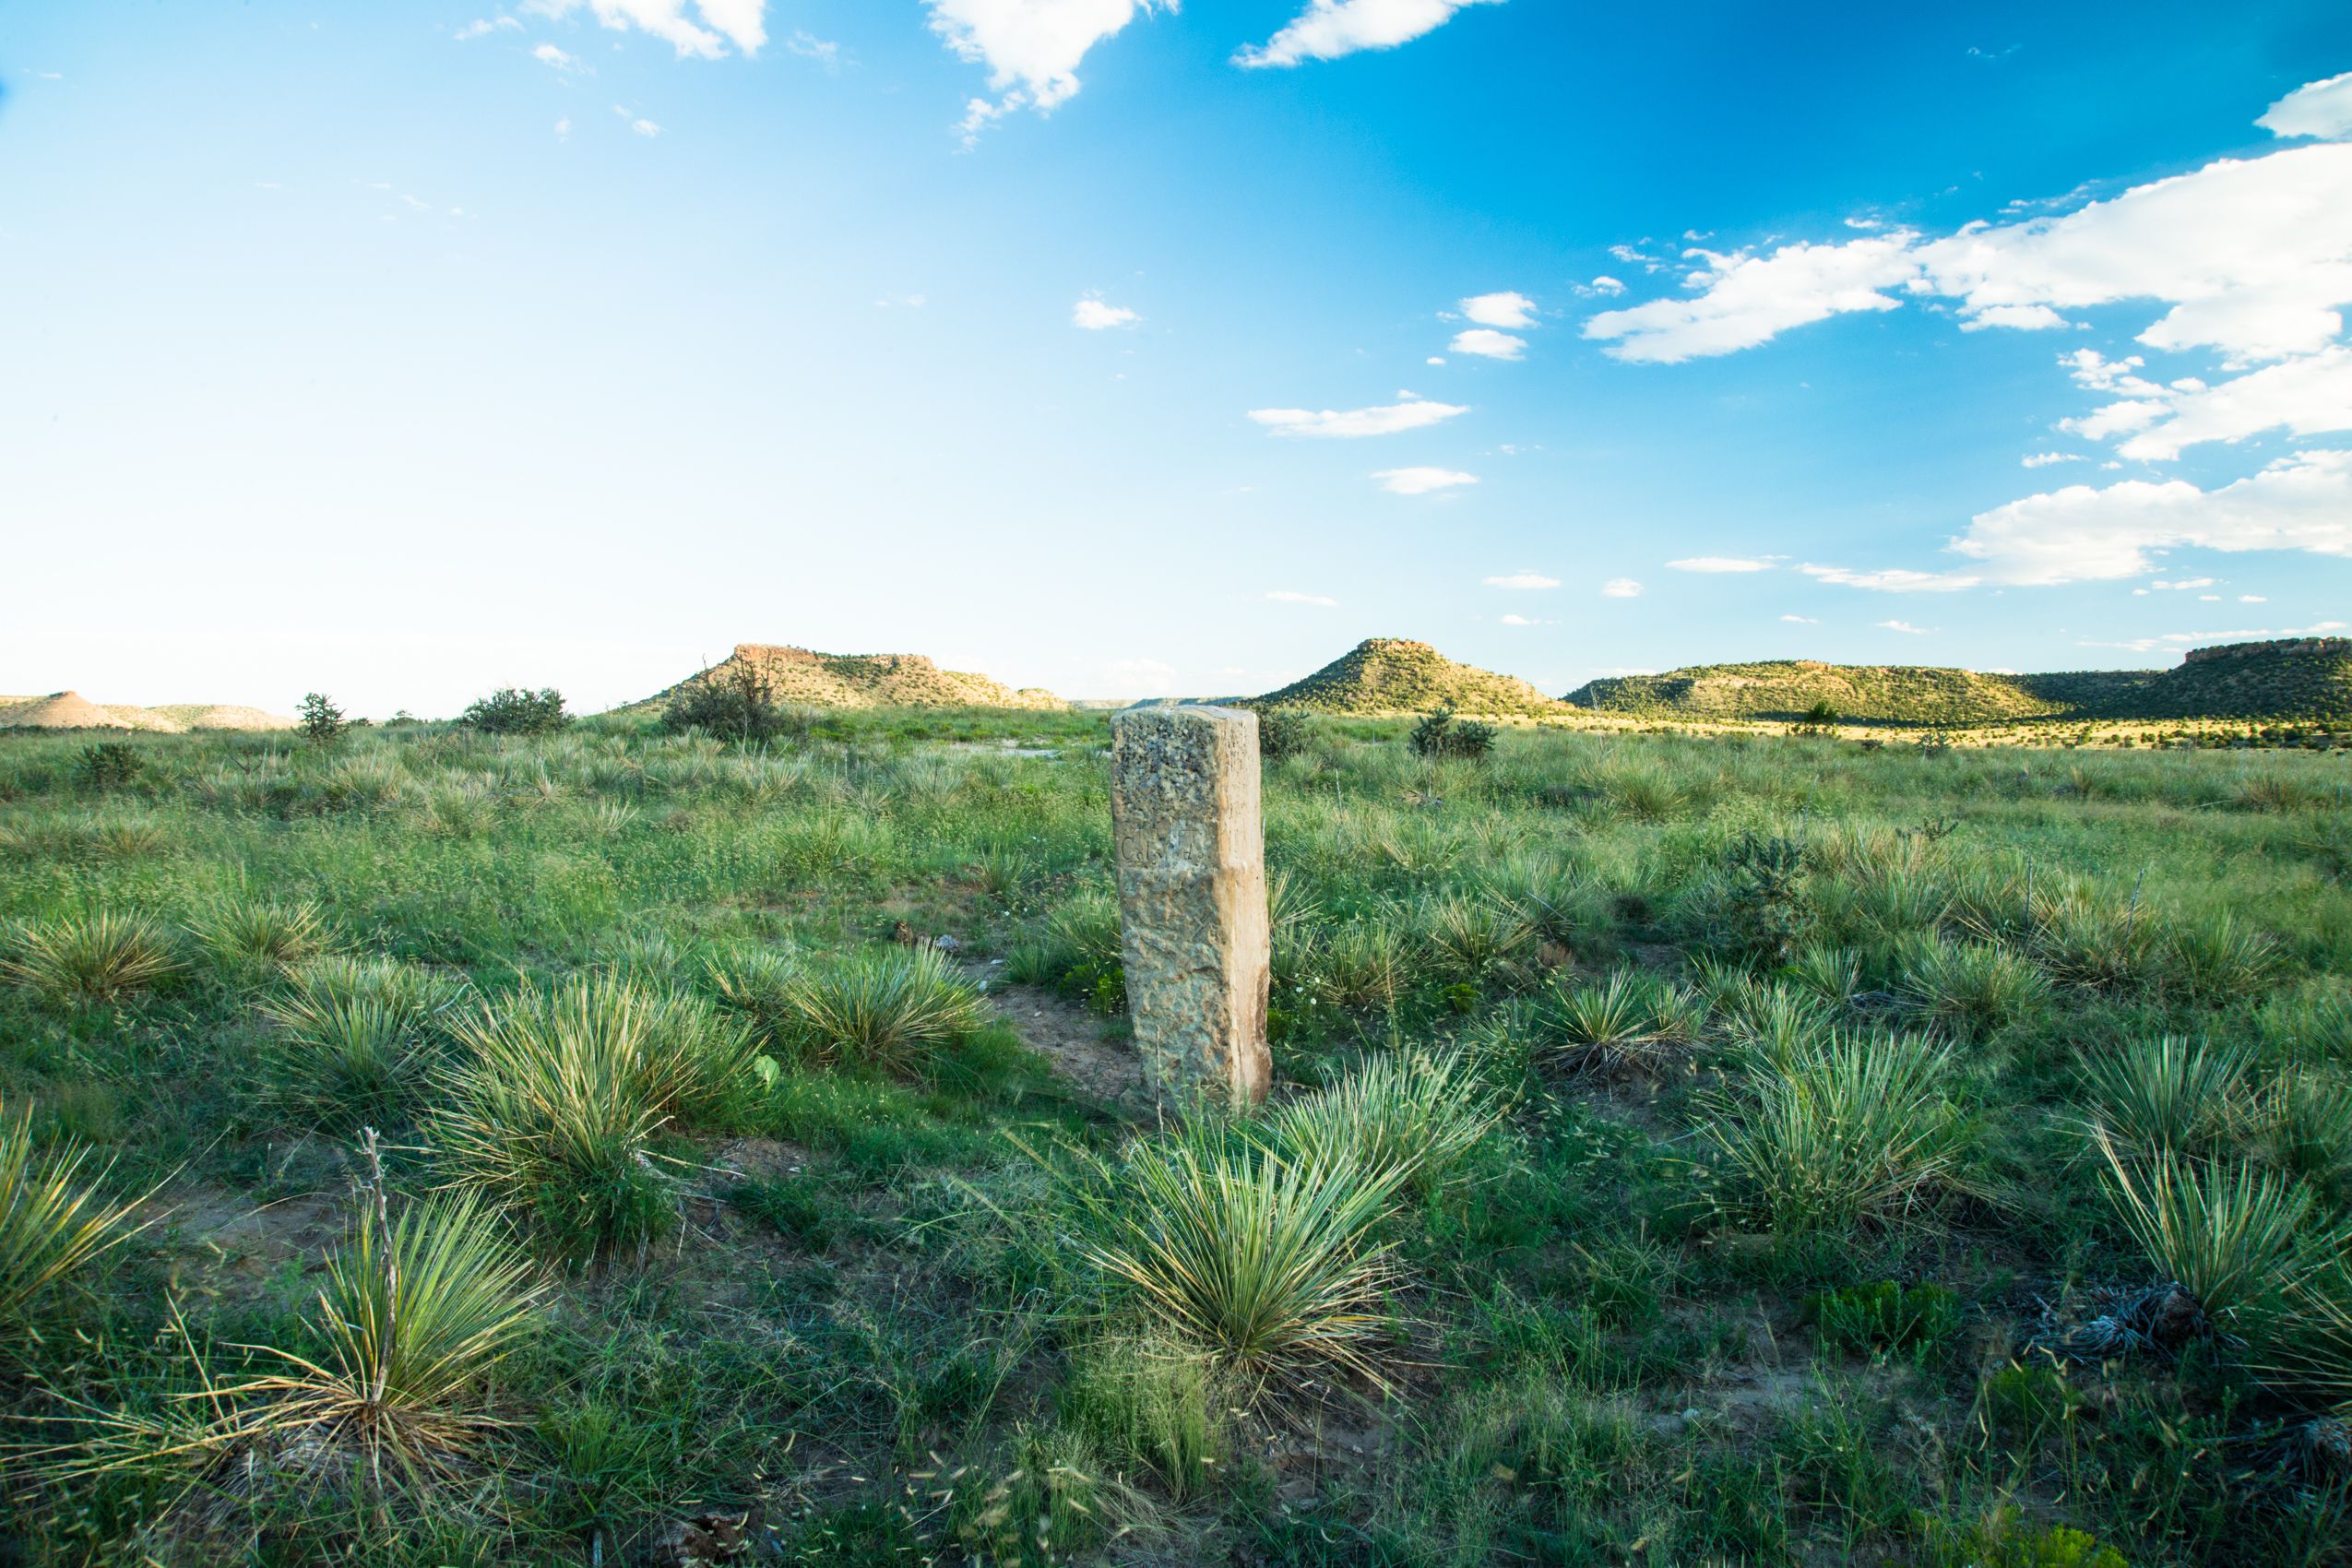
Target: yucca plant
x,y
2304,1344
1973,990
424,999
1857,1127
1271,1263
1610,1020
1475,939
129,838
2168,1096
2079,939
753,981
96,957
2215,957
1365,962
1418,1111
1086,930
2226,1232
1833,974
557,1096
239,933
340,1064
52,1222
2305,1122
883,1008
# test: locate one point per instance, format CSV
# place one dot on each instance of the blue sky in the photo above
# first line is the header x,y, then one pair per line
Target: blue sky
x,y
406,349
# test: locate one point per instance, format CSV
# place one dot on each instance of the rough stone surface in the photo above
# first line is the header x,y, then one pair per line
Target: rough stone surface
x,y
1192,897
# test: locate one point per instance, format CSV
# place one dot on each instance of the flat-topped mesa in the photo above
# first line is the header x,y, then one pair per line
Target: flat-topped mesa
x,y
807,677
2304,648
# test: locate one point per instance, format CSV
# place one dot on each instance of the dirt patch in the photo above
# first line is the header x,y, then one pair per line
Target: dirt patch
x,y
1070,1037
237,1245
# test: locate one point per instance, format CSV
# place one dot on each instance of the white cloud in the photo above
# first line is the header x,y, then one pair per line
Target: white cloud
x,y
645,128
2320,109
563,128
1412,413
1621,588
1032,48
740,22
2081,534
2177,640
2187,585
1489,344
484,27
2252,599
548,54
1523,621
1800,620
1524,580
2308,396
1895,579
1094,316
1604,284
2017,319
1739,300
1422,481
1904,626
1329,28
1284,596
1718,564
1509,308
2044,460
808,46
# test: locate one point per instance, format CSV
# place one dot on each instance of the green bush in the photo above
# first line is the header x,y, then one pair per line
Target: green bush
x,y
323,723
735,704
510,710
110,764
1883,1316
1286,731
1440,734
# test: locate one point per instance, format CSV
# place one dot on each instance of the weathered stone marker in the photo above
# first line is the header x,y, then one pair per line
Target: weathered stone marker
x,y
1192,897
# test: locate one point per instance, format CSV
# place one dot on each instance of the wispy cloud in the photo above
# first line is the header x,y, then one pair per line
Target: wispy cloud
x,y
1286,596
1411,414
548,54
1718,564
1522,580
1621,588
1032,48
1904,626
1329,28
1800,620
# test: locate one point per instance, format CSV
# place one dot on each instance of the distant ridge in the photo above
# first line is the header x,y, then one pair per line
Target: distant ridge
x,y
1393,675
71,710
2302,679
799,675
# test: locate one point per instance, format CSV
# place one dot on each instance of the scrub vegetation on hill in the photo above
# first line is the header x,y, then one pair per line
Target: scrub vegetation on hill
x,y
453,1148
1391,675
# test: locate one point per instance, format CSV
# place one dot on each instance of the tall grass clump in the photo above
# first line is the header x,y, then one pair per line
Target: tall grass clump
x,y
240,933
557,1096
883,1008
1418,1111
51,1223
94,957
1268,1263
2168,1096
1854,1128
2225,1232
354,1039
1150,1402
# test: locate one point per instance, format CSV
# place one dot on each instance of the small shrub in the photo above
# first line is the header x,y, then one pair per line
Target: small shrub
x,y
1440,734
1287,731
110,764
883,1008
2005,1541
321,723
242,933
52,1222
100,958
1766,903
735,704
510,710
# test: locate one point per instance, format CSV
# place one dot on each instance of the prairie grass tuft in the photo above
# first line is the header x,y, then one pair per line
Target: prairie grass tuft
x,y
1267,1263
1364,963
239,933
2166,1096
1420,1111
355,1038
1475,940
2215,957
1856,1128
883,1008
1152,1403
2304,1121
51,1223
96,957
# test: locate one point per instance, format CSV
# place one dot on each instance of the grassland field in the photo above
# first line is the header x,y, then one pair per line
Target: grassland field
x,y
1735,1147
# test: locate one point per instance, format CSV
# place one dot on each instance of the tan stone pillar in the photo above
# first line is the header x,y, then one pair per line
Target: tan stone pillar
x,y
1185,821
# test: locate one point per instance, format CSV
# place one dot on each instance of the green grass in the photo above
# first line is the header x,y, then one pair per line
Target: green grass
x,y
811,1236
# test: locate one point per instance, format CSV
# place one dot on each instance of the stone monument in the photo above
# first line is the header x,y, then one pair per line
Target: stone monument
x,y
1193,930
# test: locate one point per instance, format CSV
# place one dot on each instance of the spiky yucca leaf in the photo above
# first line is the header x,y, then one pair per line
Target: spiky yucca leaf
x,y
2168,1095
52,1221
240,931
883,1008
